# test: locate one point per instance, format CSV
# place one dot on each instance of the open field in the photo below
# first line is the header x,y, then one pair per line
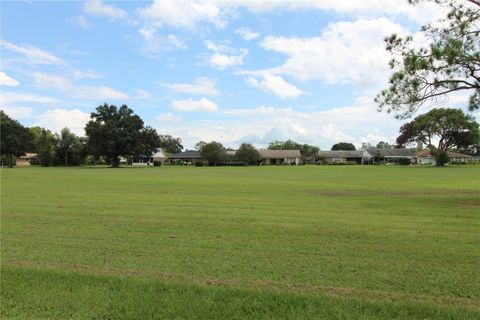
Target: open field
x,y
339,242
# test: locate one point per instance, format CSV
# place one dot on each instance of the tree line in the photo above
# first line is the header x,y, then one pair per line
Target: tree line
x,y
115,132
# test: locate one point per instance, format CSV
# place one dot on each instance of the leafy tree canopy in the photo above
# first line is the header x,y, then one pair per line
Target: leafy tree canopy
x,y
343,146
213,152
384,145
15,140
440,130
44,142
113,132
69,147
247,153
199,145
450,62
170,144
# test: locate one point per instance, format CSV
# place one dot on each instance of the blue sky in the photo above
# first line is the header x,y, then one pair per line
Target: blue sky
x,y
226,71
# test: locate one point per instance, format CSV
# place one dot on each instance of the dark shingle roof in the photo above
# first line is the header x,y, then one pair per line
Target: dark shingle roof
x,y
189,154
278,154
340,154
451,154
402,152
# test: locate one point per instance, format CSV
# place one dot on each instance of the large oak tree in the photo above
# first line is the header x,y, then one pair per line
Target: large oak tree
x,y
441,130
113,132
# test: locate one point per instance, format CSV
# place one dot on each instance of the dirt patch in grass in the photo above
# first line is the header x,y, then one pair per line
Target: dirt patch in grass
x,y
300,288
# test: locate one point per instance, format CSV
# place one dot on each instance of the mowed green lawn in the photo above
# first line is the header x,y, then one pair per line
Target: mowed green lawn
x,y
307,242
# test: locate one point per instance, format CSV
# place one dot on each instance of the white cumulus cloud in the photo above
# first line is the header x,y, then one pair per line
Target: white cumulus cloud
x,y
57,119
225,56
181,14
274,84
345,52
194,105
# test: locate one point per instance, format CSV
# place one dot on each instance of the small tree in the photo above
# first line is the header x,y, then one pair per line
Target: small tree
x,y
199,145
213,152
66,143
247,154
343,146
452,128
384,145
44,143
170,144
15,139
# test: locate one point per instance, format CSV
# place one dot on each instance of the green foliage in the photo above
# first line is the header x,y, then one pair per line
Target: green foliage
x,y
170,144
44,143
15,140
343,146
157,163
404,161
384,145
452,128
114,132
199,164
200,145
442,158
451,63
247,154
213,152
69,147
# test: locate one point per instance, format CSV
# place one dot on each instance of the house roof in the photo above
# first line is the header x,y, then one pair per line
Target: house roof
x,y
426,153
401,152
29,156
188,154
278,154
159,153
341,154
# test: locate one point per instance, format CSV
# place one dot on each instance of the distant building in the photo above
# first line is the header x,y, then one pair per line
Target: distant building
x,y
26,160
158,155
425,157
186,157
279,156
343,156
391,155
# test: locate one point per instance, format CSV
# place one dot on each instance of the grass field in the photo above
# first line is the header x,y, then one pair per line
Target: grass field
x,y
350,242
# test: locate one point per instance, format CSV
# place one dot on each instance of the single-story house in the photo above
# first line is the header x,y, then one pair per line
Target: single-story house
x,y
279,156
26,160
342,156
186,157
391,155
158,155
425,157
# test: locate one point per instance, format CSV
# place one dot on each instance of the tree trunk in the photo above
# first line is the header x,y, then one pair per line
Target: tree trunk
x,y
10,161
66,158
115,162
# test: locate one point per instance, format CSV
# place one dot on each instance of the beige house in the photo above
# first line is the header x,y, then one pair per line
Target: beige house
x,y
279,156
425,157
26,160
